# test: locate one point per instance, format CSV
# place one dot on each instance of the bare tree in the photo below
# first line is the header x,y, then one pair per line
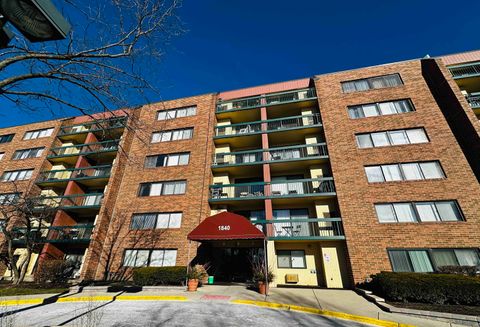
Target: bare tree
x,y
112,52
24,217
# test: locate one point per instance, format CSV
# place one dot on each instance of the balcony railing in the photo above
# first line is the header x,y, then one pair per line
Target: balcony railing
x,y
74,174
55,234
307,228
90,200
84,149
94,126
474,100
274,189
467,70
272,125
267,100
288,153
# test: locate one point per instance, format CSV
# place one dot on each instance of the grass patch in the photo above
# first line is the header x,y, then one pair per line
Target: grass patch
x,y
30,289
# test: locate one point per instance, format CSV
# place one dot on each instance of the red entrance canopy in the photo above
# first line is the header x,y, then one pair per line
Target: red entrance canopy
x,y
225,226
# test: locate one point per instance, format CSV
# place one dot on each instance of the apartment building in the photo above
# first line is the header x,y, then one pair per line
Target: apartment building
x,y
332,178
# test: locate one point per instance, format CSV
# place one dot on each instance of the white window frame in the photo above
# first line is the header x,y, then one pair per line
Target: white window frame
x,y
38,133
417,216
375,109
168,135
389,138
174,113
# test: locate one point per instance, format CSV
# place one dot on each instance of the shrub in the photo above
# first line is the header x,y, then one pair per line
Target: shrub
x,y
54,271
427,288
459,270
150,276
197,272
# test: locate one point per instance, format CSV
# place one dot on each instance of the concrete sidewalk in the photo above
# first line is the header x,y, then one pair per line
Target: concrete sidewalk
x,y
344,301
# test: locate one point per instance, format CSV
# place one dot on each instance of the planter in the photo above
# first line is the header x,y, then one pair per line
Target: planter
x,y
262,288
192,285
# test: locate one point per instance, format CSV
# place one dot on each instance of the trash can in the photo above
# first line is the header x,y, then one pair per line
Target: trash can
x,y
210,280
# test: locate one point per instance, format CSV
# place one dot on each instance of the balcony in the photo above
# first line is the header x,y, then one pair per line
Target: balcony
x,y
467,76
300,188
294,123
310,153
73,202
302,229
89,149
272,99
97,126
89,176
474,100
55,234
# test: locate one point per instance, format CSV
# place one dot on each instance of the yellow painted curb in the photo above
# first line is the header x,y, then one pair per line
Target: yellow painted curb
x,y
20,302
341,315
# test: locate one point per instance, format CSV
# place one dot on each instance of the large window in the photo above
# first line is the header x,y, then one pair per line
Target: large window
x,y
156,220
164,160
38,133
9,198
150,258
16,175
172,135
433,211
291,259
162,188
389,138
428,260
6,138
380,109
378,82
27,153
404,172
176,113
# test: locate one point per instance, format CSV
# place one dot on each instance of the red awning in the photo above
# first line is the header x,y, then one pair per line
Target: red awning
x,y
225,226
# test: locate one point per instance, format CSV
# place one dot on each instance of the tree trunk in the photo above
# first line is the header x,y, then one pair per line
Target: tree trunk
x,y
24,266
13,264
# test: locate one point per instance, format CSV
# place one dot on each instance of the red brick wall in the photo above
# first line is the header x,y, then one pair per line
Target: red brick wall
x,y
367,239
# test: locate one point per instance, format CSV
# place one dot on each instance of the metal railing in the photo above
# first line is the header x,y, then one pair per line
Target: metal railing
x,y
74,173
274,189
83,149
71,201
267,100
474,100
315,228
466,70
94,126
54,234
271,125
288,153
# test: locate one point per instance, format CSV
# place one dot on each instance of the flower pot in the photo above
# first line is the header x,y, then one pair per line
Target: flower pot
x,y
192,285
262,288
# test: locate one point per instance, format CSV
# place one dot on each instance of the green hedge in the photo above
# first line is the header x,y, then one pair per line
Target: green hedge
x,y
427,288
150,276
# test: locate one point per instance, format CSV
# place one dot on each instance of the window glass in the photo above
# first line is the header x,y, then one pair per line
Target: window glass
x,y
298,259
411,171
180,187
155,189
184,157
387,108
404,212
142,258
161,115
448,211
348,87
361,85
385,213
374,174
173,160
364,141
170,258
175,220
427,211
420,261
370,110
380,139
467,257
162,220
400,261
356,112
398,137
417,135
156,258
431,170
444,258
391,173
403,106
169,188
129,259
283,259
166,136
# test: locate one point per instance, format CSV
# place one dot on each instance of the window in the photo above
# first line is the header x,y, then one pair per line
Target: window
x,y
418,211
16,175
6,138
6,198
150,258
172,135
2,154
404,172
380,109
156,220
27,153
38,133
162,188
291,259
165,160
389,138
428,260
378,82
176,113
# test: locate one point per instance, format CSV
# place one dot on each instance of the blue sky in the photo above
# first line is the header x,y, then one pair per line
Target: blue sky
x,y
233,44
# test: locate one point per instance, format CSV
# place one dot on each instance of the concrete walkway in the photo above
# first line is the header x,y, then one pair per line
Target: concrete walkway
x,y
344,301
